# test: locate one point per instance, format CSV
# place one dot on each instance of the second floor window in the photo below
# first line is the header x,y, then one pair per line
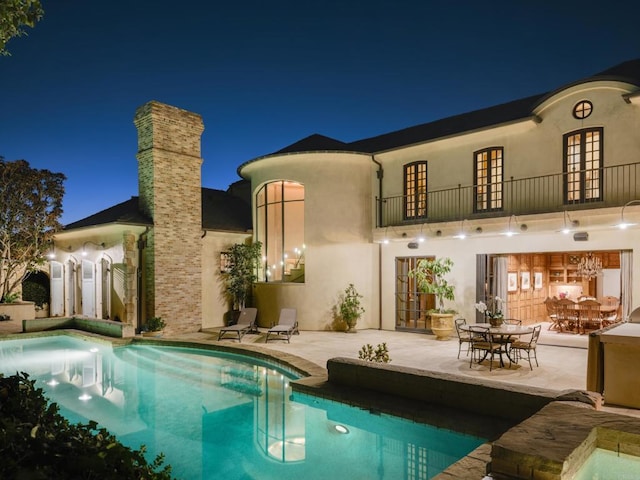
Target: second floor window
x,y
415,190
488,164
583,166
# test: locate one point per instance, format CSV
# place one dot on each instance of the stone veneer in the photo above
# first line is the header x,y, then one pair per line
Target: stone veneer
x,y
170,190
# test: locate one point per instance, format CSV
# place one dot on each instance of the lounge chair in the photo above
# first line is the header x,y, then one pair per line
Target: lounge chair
x,y
246,323
287,325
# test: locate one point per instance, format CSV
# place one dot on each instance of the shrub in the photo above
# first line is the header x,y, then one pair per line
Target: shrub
x,y
380,354
38,443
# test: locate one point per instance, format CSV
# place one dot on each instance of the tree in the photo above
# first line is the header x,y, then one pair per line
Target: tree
x,y
14,15
241,271
30,207
429,275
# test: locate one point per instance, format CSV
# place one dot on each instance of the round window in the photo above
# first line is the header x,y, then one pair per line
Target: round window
x,y
582,109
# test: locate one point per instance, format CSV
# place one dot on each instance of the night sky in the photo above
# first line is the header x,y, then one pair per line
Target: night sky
x,y
264,74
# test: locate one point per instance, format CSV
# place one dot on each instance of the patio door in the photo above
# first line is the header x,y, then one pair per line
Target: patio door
x,y
57,289
411,306
88,289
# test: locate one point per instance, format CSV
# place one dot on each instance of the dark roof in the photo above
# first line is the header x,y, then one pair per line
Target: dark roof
x,y
126,212
220,211
628,71
464,122
223,211
315,142
507,112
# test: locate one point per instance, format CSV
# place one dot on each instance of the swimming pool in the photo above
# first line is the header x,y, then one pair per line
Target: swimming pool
x,y
226,416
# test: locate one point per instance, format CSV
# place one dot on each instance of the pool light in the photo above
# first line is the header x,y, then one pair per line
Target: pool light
x,y
341,429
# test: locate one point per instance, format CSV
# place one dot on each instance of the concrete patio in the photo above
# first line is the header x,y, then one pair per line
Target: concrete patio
x,y
562,356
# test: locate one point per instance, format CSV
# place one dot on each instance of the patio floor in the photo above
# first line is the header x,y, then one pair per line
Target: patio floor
x,y
562,356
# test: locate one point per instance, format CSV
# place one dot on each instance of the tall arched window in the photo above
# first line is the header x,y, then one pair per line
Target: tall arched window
x,y
280,228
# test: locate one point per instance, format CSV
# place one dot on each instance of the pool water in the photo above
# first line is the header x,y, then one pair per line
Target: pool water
x,y
607,465
226,416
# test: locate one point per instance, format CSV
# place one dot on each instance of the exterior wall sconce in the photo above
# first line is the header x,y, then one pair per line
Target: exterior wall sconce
x,y
511,232
568,226
461,234
623,225
52,253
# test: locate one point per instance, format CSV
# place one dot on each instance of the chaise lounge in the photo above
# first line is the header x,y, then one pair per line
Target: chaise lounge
x,y
246,323
287,325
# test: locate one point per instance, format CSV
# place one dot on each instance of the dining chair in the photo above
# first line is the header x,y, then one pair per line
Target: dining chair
x,y
463,337
590,316
518,347
567,315
512,321
550,304
482,345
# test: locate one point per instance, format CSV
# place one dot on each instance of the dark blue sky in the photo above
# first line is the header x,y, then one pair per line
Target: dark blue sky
x,y
266,74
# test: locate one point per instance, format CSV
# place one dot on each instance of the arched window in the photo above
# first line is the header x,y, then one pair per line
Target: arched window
x,y
280,228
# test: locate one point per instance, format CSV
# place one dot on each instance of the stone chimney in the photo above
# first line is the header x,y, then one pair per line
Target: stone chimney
x,y
170,190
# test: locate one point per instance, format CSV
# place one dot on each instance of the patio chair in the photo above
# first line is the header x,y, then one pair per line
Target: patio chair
x,y
482,344
518,347
246,323
463,337
287,326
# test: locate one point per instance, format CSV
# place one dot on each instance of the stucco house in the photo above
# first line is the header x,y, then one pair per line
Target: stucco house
x,y
518,195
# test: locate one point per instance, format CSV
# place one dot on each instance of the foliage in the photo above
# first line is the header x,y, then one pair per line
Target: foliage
x,y
10,297
380,354
14,15
35,292
31,205
242,271
429,275
154,324
38,443
492,308
350,308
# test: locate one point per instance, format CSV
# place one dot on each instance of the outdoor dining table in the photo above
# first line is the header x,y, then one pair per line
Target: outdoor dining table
x,y
504,332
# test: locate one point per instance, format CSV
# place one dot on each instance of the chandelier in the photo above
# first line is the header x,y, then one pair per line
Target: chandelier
x,y
589,266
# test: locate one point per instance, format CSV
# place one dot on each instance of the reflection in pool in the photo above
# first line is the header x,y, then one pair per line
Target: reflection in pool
x,y
226,416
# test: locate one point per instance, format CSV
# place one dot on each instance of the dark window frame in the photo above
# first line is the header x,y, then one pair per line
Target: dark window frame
x,y
583,194
579,110
494,189
415,201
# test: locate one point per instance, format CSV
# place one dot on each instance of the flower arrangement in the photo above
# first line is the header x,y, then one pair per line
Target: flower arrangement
x,y
492,309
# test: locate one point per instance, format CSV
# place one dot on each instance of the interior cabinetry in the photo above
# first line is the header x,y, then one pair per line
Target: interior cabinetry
x,y
564,277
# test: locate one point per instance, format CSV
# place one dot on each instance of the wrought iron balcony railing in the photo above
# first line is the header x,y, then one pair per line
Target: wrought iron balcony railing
x,y
577,190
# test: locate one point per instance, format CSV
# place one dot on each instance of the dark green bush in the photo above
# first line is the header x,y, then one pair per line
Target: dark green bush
x,y
34,292
36,442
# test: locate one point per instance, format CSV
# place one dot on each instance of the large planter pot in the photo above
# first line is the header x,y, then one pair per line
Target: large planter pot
x,y
442,325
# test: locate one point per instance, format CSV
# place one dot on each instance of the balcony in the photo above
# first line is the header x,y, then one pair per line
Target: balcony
x,y
606,187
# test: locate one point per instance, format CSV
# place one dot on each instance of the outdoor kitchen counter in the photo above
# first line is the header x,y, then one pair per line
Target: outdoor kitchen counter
x,y
621,358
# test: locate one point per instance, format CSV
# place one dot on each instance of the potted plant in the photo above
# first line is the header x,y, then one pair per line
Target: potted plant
x,y
239,274
350,308
430,278
492,310
153,327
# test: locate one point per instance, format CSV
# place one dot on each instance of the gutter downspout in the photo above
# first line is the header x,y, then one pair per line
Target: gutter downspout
x,y
379,175
142,243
